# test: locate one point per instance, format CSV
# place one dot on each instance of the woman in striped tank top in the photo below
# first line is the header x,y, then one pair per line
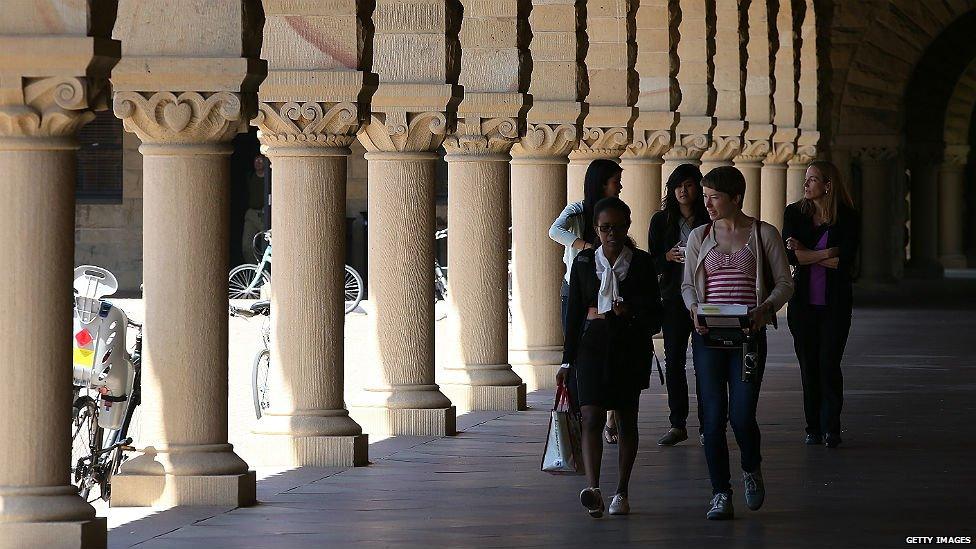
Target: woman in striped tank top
x,y
738,260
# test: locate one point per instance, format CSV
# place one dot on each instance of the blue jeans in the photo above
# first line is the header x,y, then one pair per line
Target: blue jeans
x,y
724,395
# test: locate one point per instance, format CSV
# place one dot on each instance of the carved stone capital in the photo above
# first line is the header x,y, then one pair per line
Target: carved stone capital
x,y
547,140
753,151
688,147
805,154
402,131
956,155
52,107
874,153
483,136
650,144
723,149
188,118
602,143
310,124
781,153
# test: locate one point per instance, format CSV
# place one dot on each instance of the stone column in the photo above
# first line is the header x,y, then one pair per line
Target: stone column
x,y
539,163
876,223
308,423
749,162
579,161
186,174
924,164
642,180
480,376
772,197
39,117
724,148
688,149
951,197
401,172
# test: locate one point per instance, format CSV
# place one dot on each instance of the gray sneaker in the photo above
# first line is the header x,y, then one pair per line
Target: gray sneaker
x,y
755,489
721,507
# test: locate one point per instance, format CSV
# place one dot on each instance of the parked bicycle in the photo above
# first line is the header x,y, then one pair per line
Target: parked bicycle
x,y
260,381
106,383
245,281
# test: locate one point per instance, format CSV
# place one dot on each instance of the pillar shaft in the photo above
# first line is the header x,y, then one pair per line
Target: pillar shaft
x,y
38,213
752,173
876,222
772,197
642,192
576,177
538,197
796,173
951,216
308,423
480,376
924,218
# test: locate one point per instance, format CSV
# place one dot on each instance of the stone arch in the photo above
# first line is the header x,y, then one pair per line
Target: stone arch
x,y
958,114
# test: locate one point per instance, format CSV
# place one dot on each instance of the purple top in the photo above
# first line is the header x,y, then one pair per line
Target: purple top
x,y
818,276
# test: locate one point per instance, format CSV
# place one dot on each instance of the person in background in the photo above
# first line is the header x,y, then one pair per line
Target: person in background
x,y
574,230
254,216
681,211
822,235
734,260
614,309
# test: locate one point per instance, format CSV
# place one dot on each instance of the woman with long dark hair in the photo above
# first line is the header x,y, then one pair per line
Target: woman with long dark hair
x,y
822,235
614,310
682,210
574,230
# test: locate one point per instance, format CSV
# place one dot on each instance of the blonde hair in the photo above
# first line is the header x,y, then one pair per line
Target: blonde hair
x,y
839,193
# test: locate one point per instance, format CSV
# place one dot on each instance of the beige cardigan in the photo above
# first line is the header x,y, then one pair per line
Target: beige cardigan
x,y
693,285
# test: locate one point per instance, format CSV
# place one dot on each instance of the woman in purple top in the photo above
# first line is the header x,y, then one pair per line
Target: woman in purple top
x,y
822,233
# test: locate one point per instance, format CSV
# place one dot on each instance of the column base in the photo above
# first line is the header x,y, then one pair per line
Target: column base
x,y
955,261
486,397
134,490
88,534
406,421
537,376
310,451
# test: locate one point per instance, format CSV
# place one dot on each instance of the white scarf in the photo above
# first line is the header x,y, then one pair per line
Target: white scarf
x,y
610,277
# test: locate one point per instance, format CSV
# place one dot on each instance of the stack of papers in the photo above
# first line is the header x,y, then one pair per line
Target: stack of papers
x,y
708,309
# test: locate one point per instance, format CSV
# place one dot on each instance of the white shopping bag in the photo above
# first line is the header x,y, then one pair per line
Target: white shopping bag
x,y
564,451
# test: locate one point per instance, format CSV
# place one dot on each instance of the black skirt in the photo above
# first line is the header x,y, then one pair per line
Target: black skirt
x,y
606,373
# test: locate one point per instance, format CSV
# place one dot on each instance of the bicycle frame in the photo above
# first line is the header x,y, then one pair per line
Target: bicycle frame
x,y
265,262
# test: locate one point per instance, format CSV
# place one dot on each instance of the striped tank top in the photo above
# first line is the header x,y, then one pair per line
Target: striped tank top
x,y
730,279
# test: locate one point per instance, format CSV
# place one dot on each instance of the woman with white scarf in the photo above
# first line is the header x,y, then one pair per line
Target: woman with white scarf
x,y
614,310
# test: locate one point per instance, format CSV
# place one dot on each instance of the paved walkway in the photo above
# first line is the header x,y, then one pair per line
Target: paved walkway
x,y
905,469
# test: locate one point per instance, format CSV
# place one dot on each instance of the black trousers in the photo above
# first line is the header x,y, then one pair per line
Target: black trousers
x,y
676,327
819,338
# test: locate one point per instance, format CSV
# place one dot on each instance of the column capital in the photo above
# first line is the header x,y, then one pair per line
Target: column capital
x,y
753,150
874,153
805,154
547,141
723,149
602,142
650,144
403,131
190,118
50,107
781,153
956,155
689,147
306,126
483,137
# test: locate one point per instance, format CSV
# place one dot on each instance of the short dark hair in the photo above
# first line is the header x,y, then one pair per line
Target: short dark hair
x,y
611,203
726,179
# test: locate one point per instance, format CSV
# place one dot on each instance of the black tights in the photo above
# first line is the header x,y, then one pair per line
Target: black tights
x,y
594,418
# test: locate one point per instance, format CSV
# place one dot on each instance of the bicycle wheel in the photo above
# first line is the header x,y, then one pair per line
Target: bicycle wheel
x,y
86,441
354,289
260,382
244,282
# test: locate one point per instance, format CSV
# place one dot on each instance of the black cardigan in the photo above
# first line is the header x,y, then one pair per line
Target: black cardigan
x,y
661,237
845,234
639,291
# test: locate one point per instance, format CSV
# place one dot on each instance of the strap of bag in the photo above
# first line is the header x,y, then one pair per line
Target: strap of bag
x,y
562,399
767,271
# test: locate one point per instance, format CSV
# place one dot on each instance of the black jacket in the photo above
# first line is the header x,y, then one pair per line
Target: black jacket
x,y
845,234
639,291
661,237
